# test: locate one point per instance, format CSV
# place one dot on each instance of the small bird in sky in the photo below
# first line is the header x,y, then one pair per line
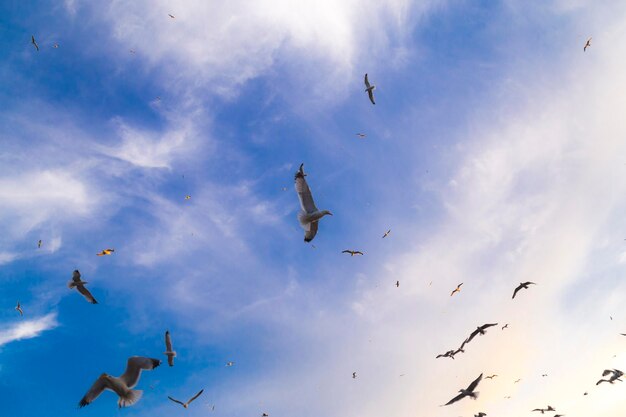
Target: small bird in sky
x,y
543,410
468,392
352,252
186,405
479,330
544,375
187,197
506,326
616,374
361,135
448,354
39,244
309,216
230,363
370,89
517,380
132,51
491,376
105,252
587,45
34,42
171,16
168,350
481,414
386,233
265,415
79,284
397,284
123,384
457,289
55,45
523,285
353,375
18,308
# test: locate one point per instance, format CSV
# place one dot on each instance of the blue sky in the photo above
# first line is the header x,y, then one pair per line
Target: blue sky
x,y
495,154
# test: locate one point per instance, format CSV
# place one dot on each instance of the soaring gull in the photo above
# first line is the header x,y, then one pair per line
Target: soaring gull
x,y
18,308
587,44
34,42
479,330
468,392
105,252
457,289
79,284
168,349
309,215
352,252
370,89
185,405
123,384
523,285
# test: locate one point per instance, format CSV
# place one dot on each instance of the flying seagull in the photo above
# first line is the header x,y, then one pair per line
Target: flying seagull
x,y
370,89
105,252
481,414
230,363
39,244
172,16
616,375
352,252
543,410
361,135
123,384
55,45
491,376
457,289
517,380
397,284
386,233
34,42
79,284
448,354
506,326
168,350
353,375
18,308
309,215
468,392
521,285
587,44
187,197
185,405
479,330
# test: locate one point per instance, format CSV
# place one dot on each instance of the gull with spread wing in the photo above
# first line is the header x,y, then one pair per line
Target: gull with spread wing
x,y
168,349
309,215
467,392
79,284
186,405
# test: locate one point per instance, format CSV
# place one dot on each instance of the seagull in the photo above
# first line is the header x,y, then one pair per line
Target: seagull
x,y
361,135
491,376
521,285
587,44
309,215
34,42
265,415
168,350
186,405
187,197
516,381
123,384
481,414
230,363
543,410
386,233
397,284
469,391
544,375
39,244
105,252
479,330
506,326
352,252
353,375
370,89
172,18
77,283
55,45
18,307
616,375
457,289
448,354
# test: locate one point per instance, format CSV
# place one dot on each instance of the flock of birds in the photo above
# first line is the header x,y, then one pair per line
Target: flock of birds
x,y
308,217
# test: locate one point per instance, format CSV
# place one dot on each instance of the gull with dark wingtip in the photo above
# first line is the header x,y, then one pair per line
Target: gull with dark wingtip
x,y
79,284
587,45
186,405
481,330
369,89
34,42
352,252
616,374
168,350
457,289
523,285
467,392
309,216
386,233
543,410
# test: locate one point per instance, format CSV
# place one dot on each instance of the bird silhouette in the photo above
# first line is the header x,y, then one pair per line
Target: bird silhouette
x,y
467,392
457,289
352,252
523,285
370,89
186,405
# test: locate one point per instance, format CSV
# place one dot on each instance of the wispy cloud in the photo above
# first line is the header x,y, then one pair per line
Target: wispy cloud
x,y
28,329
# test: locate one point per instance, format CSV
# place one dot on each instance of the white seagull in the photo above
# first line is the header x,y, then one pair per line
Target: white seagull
x,y
309,216
77,283
186,405
123,384
169,352
370,89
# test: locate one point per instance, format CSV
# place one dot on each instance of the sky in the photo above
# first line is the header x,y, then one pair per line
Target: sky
x,y
495,153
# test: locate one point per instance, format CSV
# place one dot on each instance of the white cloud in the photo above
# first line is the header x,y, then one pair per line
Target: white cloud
x,y
28,329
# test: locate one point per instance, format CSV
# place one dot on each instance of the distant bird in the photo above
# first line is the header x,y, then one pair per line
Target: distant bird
x,y
361,135
491,376
39,244
187,197
18,308
105,252
558,415
309,215
353,375
468,392
168,349
265,415
506,326
586,393
543,410
397,284
132,51
481,414
587,44
123,384
481,330
185,405
55,45
623,334
523,285
171,16
517,380
370,89
230,363
34,42
79,284
544,375
352,252
386,233
457,289
616,374
448,354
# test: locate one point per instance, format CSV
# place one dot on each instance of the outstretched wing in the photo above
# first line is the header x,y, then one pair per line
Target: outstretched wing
x,y
85,292
455,399
471,336
168,341
94,392
134,367
195,396
304,192
370,93
488,325
310,231
474,383
367,82
519,287
176,401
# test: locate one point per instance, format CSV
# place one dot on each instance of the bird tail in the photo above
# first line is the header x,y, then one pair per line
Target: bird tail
x,y
474,395
130,398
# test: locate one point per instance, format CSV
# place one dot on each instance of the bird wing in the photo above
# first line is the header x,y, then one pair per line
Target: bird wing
x,y
304,192
474,383
471,336
367,82
370,93
346,251
519,287
133,369
607,372
311,231
85,292
168,341
176,401
356,252
94,392
195,396
455,399
488,325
